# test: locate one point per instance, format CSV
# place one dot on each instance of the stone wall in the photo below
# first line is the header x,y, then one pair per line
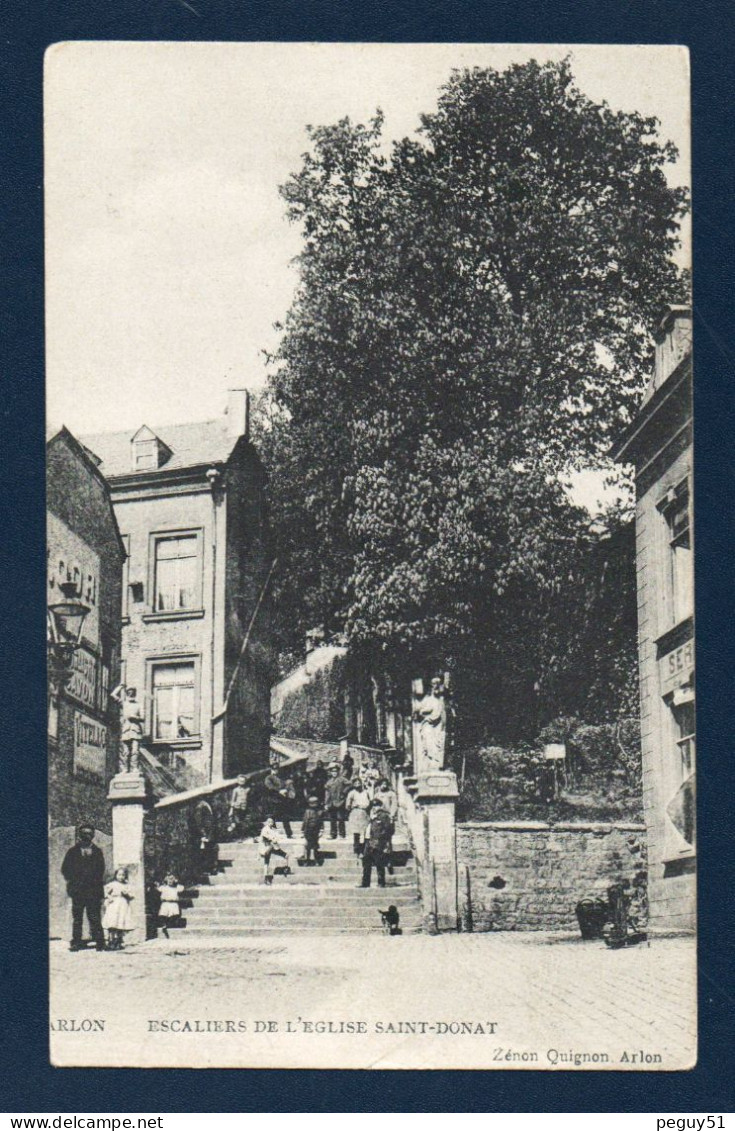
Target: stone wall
x,y
529,876
672,882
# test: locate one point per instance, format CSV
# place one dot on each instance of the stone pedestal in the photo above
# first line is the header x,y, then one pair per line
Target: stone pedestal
x,y
436,794
128,795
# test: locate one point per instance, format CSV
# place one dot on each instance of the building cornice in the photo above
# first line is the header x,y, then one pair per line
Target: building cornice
x,y
148,484
628,446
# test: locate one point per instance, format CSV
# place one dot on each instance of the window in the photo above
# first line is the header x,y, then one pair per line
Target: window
x,y
682,808
106,663
680,581
125,538
174,714
176,583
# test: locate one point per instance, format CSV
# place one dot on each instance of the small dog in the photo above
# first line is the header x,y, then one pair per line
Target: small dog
x,y
390,920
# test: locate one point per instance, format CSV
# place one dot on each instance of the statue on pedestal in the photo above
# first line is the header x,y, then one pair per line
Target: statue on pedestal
x,y
430,713
132,728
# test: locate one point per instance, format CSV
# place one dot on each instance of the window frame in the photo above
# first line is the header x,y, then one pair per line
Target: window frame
x,y
678,603
682,765
154,663
154,539
125,603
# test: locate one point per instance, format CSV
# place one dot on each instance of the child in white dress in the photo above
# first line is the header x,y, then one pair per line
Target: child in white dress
x,y
170,910
118,916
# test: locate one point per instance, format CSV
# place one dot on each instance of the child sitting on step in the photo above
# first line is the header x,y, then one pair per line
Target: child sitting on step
x,y
268,846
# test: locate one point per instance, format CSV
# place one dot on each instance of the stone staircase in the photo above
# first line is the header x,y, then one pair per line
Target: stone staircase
x,y
314,900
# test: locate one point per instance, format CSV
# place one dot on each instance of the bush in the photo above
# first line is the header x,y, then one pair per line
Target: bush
x,y
601,779
315,711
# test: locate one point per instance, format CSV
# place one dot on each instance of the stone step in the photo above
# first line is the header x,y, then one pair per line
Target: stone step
x,y
239,932
275,893
327,878
250,851
245,884
251,873
317,900
346,852
302,907
317,918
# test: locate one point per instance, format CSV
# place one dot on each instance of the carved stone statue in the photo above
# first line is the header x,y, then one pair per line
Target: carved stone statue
x,y
132,728
430,713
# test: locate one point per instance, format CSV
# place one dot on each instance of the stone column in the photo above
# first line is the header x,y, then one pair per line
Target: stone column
x,y
129,796
417,690
436,795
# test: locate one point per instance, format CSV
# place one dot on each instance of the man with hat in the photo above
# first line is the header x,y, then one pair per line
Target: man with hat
x,y
238,812
312,827
83,869
377,845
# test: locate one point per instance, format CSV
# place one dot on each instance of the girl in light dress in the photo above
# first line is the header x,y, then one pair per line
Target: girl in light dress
x,y
170,910
268,846
118,915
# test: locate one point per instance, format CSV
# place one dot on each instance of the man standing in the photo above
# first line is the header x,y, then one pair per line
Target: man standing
x,y
239,807
335,798
377,845
83,869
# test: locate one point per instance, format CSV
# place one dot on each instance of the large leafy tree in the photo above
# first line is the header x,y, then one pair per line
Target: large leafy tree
x,y
473,318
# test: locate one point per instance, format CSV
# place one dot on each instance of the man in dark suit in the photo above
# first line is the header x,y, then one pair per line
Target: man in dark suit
x,y
377,845
84,871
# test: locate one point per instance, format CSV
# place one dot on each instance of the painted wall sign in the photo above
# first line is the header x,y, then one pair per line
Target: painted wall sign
x,y
69,558
90,746
82,684
676,668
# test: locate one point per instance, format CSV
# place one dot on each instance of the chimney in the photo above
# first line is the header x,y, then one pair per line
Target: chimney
x,y
673,343
238,413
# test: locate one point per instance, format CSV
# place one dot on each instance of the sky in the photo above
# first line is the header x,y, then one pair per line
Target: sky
x,y
168,253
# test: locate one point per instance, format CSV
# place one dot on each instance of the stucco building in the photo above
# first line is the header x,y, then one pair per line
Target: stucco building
x,y
190,504
658,443
84,548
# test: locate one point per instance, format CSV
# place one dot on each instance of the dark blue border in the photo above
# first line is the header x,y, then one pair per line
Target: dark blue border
x,y
27,1083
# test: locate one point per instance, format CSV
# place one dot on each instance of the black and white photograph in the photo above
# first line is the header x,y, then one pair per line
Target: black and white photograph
x,y
370,604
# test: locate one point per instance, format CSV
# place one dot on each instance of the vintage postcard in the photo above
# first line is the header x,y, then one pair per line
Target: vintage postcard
x,y
371,725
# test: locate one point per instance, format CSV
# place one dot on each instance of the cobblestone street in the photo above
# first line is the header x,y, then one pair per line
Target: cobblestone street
x,y
476,1001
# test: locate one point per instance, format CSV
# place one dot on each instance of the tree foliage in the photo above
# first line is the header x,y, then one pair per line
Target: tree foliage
x,y
473,317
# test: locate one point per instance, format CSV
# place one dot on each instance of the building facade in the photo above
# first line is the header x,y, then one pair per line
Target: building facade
x,y
659,445
190,504
83,547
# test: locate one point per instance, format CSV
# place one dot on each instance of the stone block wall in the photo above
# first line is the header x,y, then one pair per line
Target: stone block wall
x,y
672,881
149,636
545,870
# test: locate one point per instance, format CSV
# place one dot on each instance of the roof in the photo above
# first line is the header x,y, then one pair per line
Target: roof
x,y
191,444
90,462
625,448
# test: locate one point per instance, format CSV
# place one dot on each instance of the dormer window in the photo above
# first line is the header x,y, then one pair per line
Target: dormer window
x,y
148,451
145,454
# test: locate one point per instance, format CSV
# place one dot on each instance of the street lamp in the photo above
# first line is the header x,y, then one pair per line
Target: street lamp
x,y
65,620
